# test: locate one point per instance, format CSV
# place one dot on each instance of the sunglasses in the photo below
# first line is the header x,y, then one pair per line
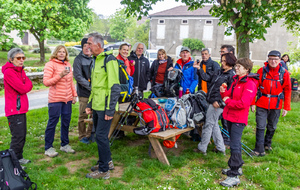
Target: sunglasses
x,y
19,58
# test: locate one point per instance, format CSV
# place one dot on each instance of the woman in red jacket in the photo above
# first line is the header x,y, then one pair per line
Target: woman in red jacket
x,y
123,52
16,87
238,100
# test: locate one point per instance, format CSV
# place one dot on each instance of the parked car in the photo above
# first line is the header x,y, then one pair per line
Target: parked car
x,y
151,55
114,46
78,47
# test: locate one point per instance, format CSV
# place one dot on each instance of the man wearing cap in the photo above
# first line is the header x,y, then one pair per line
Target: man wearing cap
x,y
82,74
185,64
274,88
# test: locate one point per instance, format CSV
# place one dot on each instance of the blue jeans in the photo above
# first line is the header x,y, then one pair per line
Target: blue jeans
x,y
102,127
56,110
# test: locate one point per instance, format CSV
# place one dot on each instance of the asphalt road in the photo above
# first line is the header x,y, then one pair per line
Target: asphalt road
x,y
37,99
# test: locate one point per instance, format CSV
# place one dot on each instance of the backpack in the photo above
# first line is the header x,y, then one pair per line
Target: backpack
x,y
294,84
12,176
172,84
126,81
153,118
178,115
169,105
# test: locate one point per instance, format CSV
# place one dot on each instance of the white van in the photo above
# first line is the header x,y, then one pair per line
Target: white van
x,y
151,55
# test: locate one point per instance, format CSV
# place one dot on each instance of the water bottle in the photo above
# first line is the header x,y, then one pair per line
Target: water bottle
x,y
187,91
137,91
180,92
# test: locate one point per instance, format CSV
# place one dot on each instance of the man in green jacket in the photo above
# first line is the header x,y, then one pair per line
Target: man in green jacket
x,y
103,100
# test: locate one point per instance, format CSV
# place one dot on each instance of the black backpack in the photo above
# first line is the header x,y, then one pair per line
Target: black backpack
x,y
12,176
172,84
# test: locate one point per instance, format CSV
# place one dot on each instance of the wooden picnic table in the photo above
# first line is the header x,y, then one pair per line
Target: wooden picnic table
x,y
169,134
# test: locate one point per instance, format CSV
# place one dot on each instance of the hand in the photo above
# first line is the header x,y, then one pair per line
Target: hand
x,y
88,111
284,112
222,89
64,73
252,108
106,117
225,98
196,65
216,104
132,63
74,100
170,69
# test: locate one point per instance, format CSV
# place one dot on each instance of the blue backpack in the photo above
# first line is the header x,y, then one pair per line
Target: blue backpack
x,y
169,106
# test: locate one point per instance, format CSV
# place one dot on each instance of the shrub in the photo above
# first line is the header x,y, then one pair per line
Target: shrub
x,y
72,51
37,50
25,47
193,44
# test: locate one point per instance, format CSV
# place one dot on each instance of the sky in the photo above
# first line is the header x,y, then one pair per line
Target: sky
x,y
109,7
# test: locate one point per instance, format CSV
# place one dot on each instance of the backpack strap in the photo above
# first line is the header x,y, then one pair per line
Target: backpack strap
x,y
108,57
151,103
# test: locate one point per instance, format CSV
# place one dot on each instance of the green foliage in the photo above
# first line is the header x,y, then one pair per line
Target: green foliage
x,y
255,68
25,47
72,51
139,33
193,44
100,25
37,50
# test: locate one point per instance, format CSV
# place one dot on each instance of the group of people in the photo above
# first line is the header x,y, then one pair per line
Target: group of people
x,y
231,90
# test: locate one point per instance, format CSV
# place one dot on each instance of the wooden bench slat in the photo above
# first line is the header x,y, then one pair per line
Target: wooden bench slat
x,y
169,133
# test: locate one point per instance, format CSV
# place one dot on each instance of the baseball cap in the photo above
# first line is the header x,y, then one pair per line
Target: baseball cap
x,y
185,49
275,53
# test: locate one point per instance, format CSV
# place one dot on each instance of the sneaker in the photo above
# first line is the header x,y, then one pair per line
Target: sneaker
x,y
67,149
97,174
85,140
231,181
51,152
110,166
268,148
217,151
224,171
199,151
24,161
254,153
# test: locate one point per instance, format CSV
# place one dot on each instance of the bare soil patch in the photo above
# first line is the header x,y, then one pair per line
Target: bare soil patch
x,y
77,164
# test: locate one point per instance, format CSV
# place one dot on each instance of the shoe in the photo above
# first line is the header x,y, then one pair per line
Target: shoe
x,y
199,151
51,152
224,171
97,174
110,166
254,153
217,151
268,148
231,181
67,149
24,161
85,140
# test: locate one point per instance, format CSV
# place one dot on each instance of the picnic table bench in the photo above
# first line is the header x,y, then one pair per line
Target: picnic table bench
x,y
169,134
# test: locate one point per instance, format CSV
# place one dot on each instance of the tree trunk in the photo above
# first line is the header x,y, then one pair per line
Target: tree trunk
x,y
42,51
243,49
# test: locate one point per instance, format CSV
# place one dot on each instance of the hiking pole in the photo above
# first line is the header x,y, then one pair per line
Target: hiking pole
x,y
223,130
241,142
123,119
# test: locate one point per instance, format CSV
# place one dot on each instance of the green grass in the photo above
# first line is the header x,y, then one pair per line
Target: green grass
x,y
279,169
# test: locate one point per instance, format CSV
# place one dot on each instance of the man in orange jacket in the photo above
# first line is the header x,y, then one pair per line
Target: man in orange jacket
x,y
274,88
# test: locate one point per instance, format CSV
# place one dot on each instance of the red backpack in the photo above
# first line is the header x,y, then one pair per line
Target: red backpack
x,y
153,117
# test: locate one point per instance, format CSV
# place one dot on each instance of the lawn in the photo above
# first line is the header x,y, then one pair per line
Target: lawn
x,y
135,169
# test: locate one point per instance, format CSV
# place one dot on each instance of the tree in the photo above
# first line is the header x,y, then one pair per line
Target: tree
x,y
63,19
193,44
100,25
247,18
139,33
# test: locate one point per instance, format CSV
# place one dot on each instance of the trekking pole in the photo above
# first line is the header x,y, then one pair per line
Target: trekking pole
x,y
223,130
123,119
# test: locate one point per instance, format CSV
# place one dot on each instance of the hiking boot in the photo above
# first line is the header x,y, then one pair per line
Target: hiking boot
x,y
231,181
24,161
268,148
224,171
85,140
110,166
97,174
199,151
67,149
217,151
51,152
254,153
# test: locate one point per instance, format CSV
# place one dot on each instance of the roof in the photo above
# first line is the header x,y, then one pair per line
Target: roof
x,y
183,11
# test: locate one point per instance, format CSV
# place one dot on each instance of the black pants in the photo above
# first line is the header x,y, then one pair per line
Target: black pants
x,y
225,137
262,116
18,129
235,161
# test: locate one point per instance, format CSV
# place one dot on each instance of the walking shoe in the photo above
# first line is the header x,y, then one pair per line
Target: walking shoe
x,y
199,151
254,153
67,149
110,166
217,151
268,148
231,181
51,152
224,171
85,140
97,174
24,161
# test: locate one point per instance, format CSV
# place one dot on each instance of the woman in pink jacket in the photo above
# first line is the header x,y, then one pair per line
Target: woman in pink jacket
x,y
58,76
238,100
16,87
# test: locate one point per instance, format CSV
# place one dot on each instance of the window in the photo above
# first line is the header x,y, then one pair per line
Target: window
x,y
160,31
161,21
208,22
184,21
208,33
184,32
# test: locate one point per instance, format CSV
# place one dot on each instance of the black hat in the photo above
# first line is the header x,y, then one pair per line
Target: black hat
x,y
83,41
275,53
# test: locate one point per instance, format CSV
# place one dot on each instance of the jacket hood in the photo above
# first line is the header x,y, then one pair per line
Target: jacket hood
x,y
133,54
9,65
83,55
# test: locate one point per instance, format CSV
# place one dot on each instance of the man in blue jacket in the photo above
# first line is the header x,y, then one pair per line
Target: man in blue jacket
x,y
185,64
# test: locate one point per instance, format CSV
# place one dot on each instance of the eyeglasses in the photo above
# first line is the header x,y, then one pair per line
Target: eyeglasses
x,y
19,58
273,59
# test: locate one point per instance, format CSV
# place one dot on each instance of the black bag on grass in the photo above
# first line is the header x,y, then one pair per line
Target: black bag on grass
x,y
12,176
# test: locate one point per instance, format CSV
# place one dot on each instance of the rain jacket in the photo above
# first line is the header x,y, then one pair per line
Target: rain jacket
x,y
190,78
129,68
61,89
16,87
241,94
211,67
